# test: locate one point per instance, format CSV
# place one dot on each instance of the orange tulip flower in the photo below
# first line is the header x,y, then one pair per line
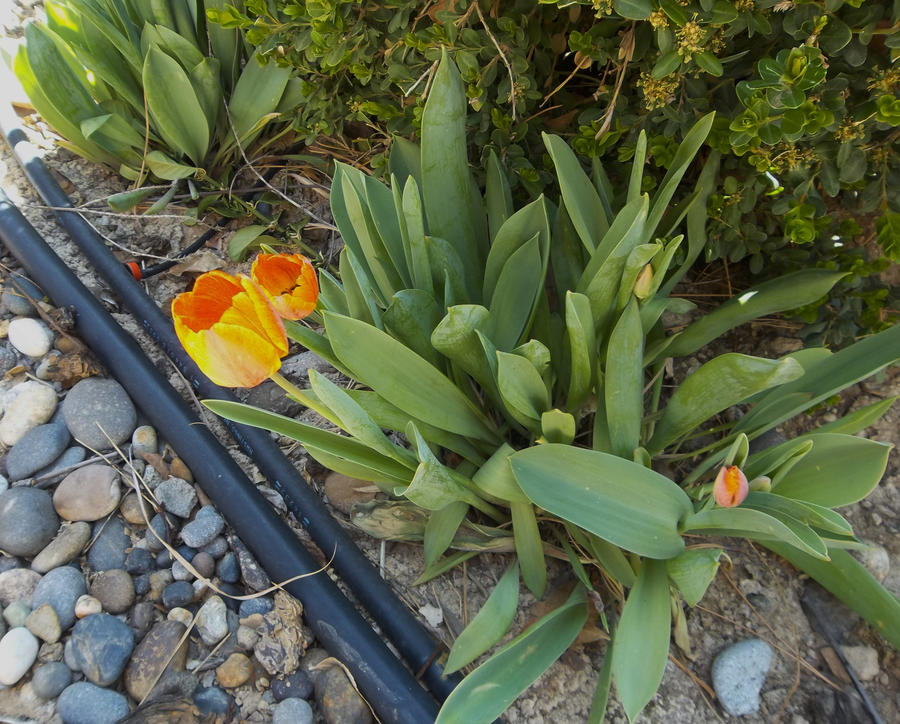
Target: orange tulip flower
x,y
290,282
731,487
230,329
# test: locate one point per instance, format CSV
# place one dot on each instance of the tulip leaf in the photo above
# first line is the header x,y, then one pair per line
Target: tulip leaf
x,y
823,379
411,318
599,701
256,95
723,381
692,571
637,168
776,461
381,209
512,305
419,267
456,338
582,348
642,638
522,389
452,203
578,193
847,579
815,516
858,420
517,231
486,693
441,528
389,471
403,378
174,107
495,479
787,292
356,421
756,525
623,387
558,426
127,200
489,624
611,559
360,295
626,504
242,240
839,470
164,167
435,486
405,161
497,197
529,547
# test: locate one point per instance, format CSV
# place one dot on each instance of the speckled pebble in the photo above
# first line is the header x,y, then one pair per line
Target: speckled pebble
x,y
33,404
49,680
262,605
180,572
217,547
139,560
102,646
61,588
27,521
212,621
252,573
17,584
227,568
293,711
738,674
85,703
141,583
37,448
32,337
110,544
178,593
177,496
96,402
64,548
205,526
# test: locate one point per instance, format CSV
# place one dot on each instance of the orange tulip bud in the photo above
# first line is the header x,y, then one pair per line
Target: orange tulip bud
x,y
731,487
230,329
290,282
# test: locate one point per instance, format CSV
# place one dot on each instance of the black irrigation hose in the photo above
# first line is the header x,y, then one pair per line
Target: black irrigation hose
x,y
413,642
387,685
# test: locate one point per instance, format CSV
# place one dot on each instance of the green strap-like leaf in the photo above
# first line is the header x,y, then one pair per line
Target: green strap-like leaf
x,y
441,528
512,306
642,639
528,222
720,383
495,479
403,378
497,196
529,547
522,389
453,205
623,387
411,318
177,114
692,571
624,503
256,94
637,168
489,624
419,267
486,693
582,348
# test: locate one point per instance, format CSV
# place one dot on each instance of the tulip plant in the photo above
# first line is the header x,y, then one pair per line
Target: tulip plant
x,y
521,360
150,89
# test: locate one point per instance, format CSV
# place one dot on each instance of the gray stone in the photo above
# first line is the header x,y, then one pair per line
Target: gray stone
x,y
64,548
179,593
33,405
69,656
141,583
212,621
18,650
114,589
863,660
84,703
96,402
8,358
102,645
158,526
32,337
217,547
227,568
876,559
7,563
37,448
181,684
70,457
144,441
293,711
153,655
260,605
180,572
61,588
252,573
49,680
16,613
738,674
338,701
19,296
299,685
204,564
17,584
205,526
108,550
139,560
89,493
212,700
44,623
27,520
142,617
177,496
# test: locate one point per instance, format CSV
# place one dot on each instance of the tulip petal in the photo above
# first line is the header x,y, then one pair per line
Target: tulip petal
x,y
290,282
731,487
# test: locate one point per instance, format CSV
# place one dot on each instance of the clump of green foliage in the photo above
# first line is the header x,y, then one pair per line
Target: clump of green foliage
x,y
805,95
517,356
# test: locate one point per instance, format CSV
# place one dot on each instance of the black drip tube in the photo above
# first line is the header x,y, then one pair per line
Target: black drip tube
x,y
273,545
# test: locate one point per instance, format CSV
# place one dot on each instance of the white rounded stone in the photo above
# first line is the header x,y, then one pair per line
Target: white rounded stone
x,y
30,336
18,650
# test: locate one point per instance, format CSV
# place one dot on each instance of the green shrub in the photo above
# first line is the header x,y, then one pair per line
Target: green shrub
x,y
805,95
517,355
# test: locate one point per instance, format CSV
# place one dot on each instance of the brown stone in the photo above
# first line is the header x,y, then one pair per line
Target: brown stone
x,y
66,547
343,491
114,589
236,670
151,657
89,493
131,510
